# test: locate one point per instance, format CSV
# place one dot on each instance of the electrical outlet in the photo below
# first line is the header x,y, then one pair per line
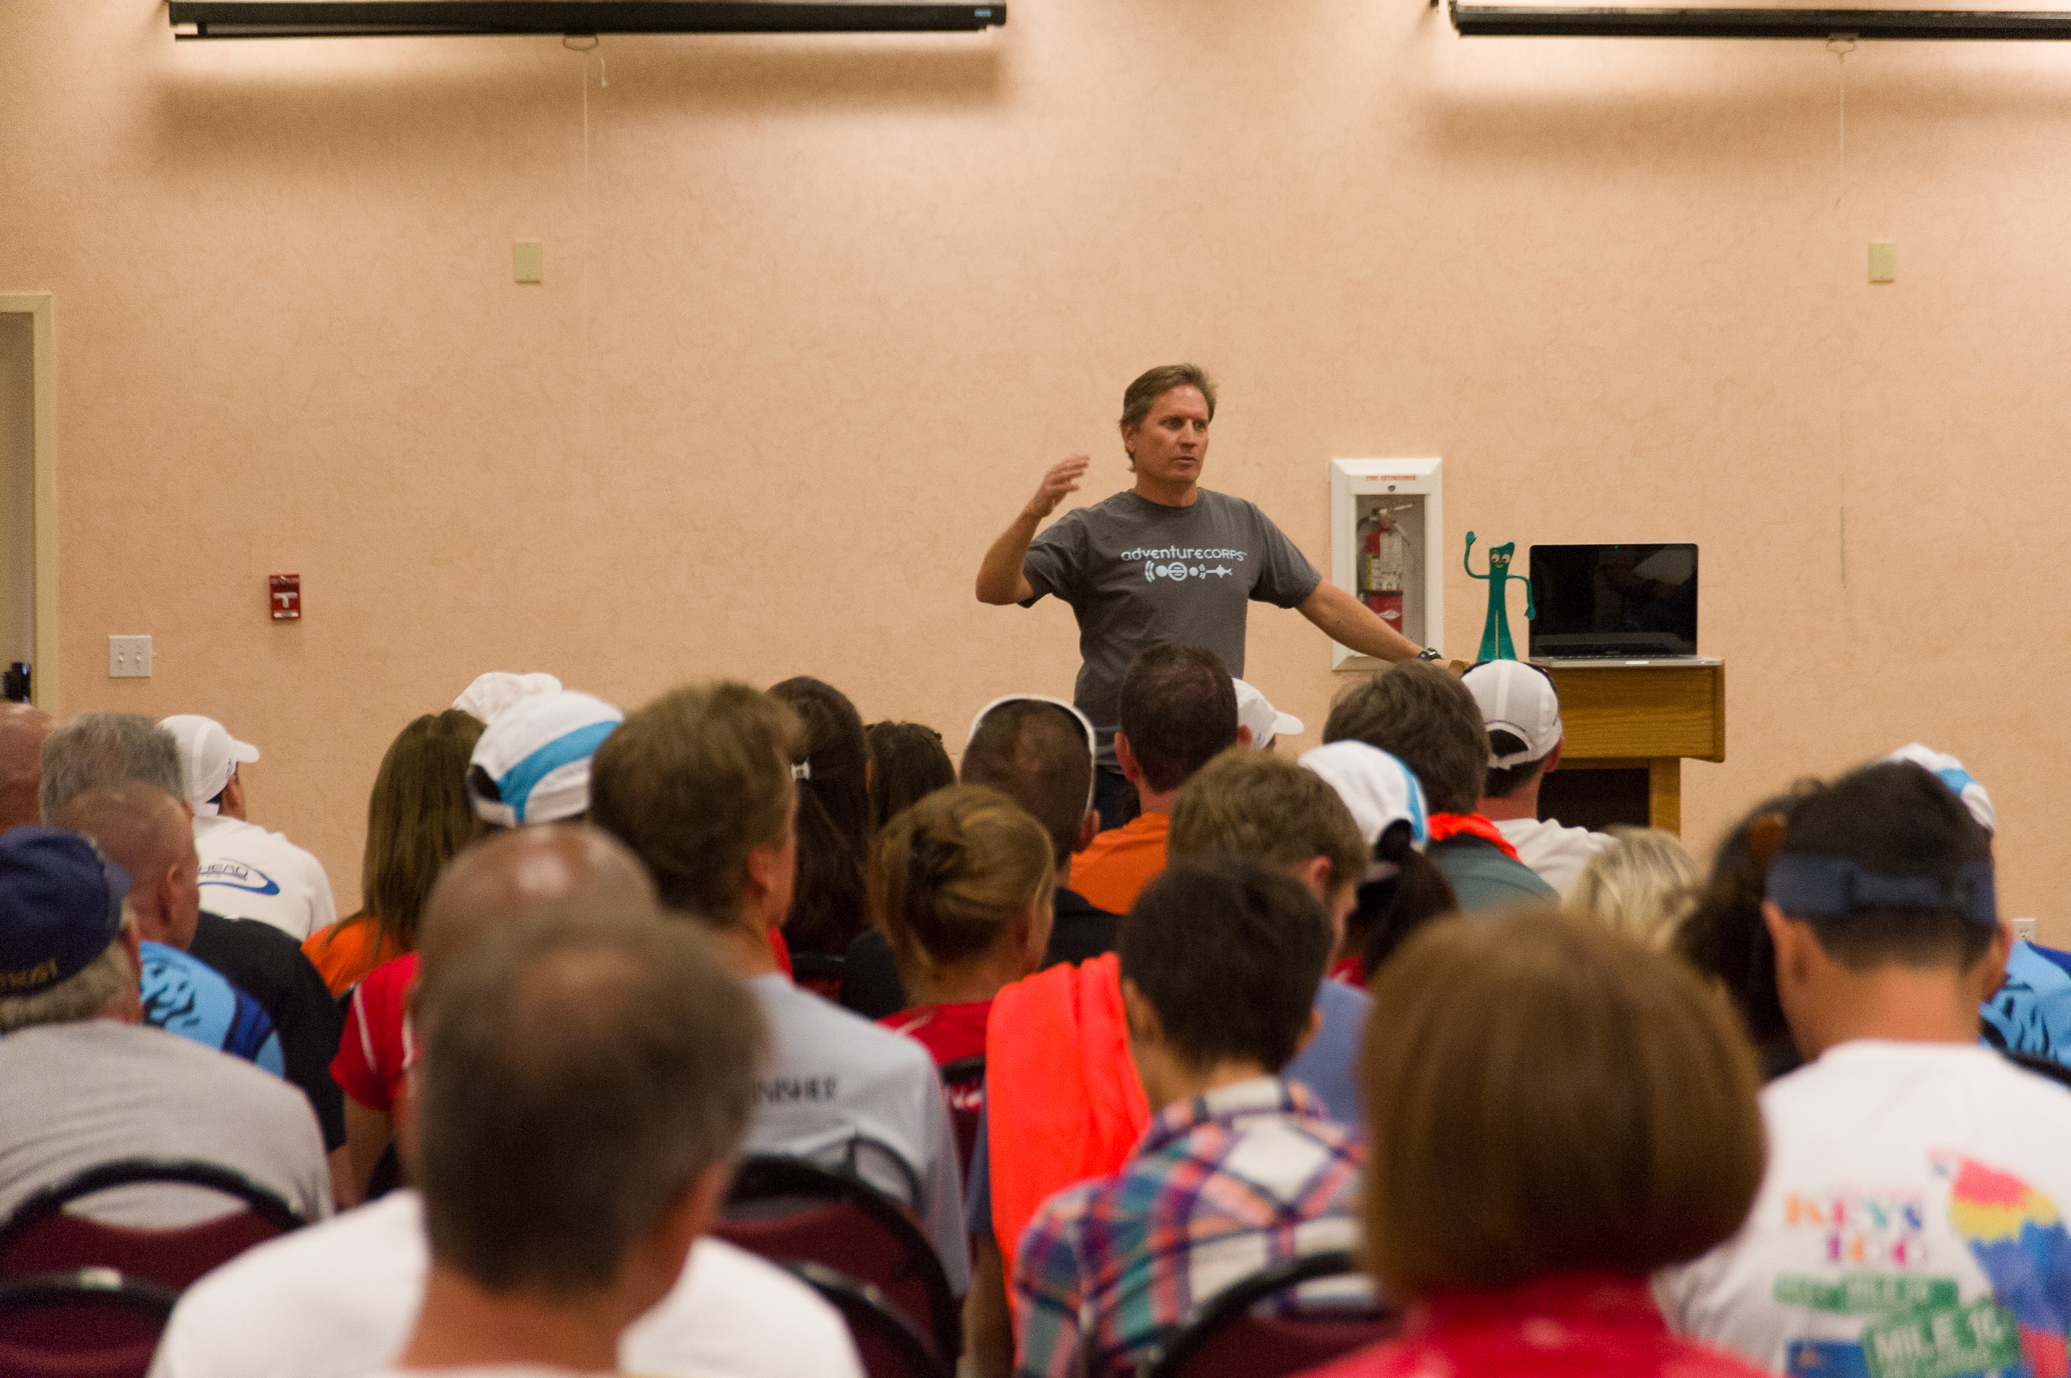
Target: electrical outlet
x,y
129,657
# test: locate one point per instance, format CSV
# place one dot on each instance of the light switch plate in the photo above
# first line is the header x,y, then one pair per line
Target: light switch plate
x,y
1883,261
129,657
2024,928
528,260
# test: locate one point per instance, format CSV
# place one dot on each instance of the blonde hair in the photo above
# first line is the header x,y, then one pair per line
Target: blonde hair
x,y
949,874
1640,885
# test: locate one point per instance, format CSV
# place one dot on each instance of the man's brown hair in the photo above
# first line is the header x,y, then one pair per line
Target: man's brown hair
x,y
692,783
1036,754
1268,809
1178,709
1428,720
1141,395
1547,1096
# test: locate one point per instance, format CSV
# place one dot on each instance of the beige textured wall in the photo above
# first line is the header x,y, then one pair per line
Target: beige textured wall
x,y
846,298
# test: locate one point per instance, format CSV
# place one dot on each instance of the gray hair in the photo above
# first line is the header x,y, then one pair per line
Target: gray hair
x,y
107,749
577,1079
96,989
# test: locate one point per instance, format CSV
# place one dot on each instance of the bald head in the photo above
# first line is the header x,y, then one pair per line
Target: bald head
x,y
550,870
22,730
146,832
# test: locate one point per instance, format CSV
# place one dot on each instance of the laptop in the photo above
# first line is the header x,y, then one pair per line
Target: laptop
x,y
1614,605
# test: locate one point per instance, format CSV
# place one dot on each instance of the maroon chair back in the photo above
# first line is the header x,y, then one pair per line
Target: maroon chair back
x,y
43,1237
1234,1336
93,1323
963,1085
792,1211
886,1341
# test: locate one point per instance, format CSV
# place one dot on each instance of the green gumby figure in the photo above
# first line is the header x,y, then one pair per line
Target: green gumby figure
x,y
1495,632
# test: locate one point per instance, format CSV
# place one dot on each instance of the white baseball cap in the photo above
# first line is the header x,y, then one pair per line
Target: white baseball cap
x,y
1379,789
1519,699
209,756
532,764
497,690
1950,772
1265,721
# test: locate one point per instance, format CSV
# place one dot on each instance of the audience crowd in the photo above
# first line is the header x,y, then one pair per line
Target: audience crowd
x,y
1491,1093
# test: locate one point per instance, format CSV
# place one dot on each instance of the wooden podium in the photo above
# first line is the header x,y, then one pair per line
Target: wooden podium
x,y
1635,719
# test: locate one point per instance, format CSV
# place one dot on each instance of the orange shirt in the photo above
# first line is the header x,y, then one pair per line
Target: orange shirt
x,y
1121,861
346,951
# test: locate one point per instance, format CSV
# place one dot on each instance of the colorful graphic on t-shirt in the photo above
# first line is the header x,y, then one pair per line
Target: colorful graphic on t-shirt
x,y
2017,1236
185,996
239,875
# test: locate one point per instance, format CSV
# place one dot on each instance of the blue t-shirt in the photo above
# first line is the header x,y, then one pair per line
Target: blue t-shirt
x,y
2031,1013
186,996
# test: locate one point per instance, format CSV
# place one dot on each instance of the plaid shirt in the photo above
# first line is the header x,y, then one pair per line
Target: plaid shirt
x,y
1238,1179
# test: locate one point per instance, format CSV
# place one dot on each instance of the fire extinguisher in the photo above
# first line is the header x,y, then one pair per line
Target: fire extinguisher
x,y
1383,566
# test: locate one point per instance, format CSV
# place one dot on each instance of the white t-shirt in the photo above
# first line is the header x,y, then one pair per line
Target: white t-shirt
x,y
337,1300
834,1075
1910,1224
249,873
1556,853
486,1371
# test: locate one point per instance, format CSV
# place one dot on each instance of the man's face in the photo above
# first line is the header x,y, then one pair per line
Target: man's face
x,y
1172,443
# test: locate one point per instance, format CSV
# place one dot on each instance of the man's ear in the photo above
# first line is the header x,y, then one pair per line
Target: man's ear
x,y
1794,945
1310,1029
1314,874
1089,828
1991,967
1553,756
1140,1014
1131,771
1244,737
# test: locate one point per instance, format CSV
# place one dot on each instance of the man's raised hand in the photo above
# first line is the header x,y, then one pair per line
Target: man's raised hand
x,y
1062,479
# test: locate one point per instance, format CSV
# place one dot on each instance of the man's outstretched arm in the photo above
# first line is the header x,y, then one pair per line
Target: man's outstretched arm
x,y
1000,580
1349,622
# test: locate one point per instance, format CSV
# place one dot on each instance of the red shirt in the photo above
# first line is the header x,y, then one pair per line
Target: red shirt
x,y
1567,1325
375,1048
947,1031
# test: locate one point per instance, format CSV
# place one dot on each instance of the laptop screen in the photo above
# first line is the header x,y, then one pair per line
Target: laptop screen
x,y
1614,601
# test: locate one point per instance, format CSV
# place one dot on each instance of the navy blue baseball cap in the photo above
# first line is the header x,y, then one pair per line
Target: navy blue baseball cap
x,y
60,906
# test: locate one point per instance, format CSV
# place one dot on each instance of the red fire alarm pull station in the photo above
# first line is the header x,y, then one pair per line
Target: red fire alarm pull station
x,y
287,597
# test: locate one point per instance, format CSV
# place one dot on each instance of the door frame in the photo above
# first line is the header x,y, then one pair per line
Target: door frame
x,y
43,423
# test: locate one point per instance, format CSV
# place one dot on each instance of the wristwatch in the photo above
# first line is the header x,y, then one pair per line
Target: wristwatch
x,y
1431,653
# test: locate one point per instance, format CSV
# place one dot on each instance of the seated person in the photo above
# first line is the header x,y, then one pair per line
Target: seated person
x,y
1641,885
1178,710
908,762
699,785
532,762
831,760
418,817
337,1300
1556,1112
1426,719
960,884
1264,807
1912,1218
88,1085
1238,1169
1522,714
1037,751
1401,889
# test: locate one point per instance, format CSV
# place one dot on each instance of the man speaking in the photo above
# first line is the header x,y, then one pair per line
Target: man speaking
x,y
1167,560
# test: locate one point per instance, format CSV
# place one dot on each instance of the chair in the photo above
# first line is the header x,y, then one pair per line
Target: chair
x,y
887,1342
791,1210
92,1323
43,1237
818,972
1229,1337
963,1084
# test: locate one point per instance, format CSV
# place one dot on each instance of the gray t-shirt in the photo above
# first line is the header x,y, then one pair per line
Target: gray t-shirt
x,y
1137,572
834,1078
83,1094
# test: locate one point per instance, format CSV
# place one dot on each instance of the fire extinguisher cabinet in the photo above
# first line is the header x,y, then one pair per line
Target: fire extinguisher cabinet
x,y
1387,547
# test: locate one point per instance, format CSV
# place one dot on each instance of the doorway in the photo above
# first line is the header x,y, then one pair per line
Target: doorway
x,y
28,498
